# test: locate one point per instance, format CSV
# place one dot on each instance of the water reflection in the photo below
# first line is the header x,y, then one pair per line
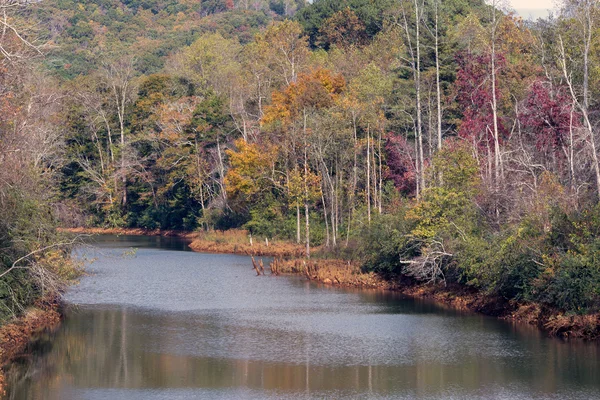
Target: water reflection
x,y
210,329
129,241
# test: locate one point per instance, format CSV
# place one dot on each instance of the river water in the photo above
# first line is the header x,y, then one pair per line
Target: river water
x,y
153,321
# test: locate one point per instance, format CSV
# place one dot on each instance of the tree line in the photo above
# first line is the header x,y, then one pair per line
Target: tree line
x,y
442,141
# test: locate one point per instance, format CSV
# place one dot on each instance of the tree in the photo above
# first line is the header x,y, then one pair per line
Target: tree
x,y
343,29
580,16
445,212
291,115
480,122
250,173
18,40
30,154
287,49
548,116
118,78
211,63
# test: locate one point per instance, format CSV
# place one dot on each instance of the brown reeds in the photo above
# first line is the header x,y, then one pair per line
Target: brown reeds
x,y
329,271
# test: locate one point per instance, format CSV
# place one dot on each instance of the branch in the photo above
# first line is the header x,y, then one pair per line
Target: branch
x,y
14,265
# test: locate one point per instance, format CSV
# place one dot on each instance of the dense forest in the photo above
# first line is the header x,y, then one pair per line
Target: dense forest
x,y
445,141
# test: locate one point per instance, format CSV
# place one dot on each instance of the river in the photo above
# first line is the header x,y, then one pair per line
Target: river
x,y
151,320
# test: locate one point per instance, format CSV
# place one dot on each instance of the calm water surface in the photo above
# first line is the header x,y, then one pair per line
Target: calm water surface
x,y
152,321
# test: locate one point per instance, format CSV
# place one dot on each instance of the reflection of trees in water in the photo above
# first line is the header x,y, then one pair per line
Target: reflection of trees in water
x,y
125,348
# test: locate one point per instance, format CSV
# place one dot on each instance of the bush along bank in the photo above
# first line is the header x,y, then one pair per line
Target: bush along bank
x,y
541,267
35,268
552,320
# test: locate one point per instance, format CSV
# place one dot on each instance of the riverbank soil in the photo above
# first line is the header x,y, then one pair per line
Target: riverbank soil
x,y
15,336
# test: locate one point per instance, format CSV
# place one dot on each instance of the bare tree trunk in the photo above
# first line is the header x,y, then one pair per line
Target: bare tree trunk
x,y
417,180
584,111
354,179
418,95
307,221
415,64
572,150
374,176
307,233
298,239
221,172
495,102
109,136
368,174
121,113
118,77
199,171
333,224
380,174
339,185
437,77
326,221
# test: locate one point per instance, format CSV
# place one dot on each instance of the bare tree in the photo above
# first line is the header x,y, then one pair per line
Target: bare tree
x,y
583,12
429,266
18,40
118,76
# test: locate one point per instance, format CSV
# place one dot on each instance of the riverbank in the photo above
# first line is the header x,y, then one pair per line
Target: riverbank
x,y
240,242
348,274
15,336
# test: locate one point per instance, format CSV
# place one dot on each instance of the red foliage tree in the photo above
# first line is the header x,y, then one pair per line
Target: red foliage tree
x,y
400,164
473,88
547,116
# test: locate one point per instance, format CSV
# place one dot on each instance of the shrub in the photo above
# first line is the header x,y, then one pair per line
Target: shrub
x,y
383,241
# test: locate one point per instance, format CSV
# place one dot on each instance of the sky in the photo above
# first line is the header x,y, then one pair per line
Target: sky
x,y
532,4
532,8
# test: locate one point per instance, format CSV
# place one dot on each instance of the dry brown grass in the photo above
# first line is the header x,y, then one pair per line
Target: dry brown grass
x,y
529,313
233,241
237,241
329,271
574,326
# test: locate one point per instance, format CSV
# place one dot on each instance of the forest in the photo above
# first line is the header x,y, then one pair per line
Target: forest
x,y
446,142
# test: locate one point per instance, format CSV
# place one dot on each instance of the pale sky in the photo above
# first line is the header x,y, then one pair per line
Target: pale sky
x,y
532,4
532,9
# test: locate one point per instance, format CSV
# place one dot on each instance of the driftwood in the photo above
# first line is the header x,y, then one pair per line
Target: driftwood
x,y
274,266
255,266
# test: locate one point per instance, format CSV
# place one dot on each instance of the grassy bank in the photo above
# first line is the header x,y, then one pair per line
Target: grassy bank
x,y
240,242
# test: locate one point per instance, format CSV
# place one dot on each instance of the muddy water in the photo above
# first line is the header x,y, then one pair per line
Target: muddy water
x,y
151,321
